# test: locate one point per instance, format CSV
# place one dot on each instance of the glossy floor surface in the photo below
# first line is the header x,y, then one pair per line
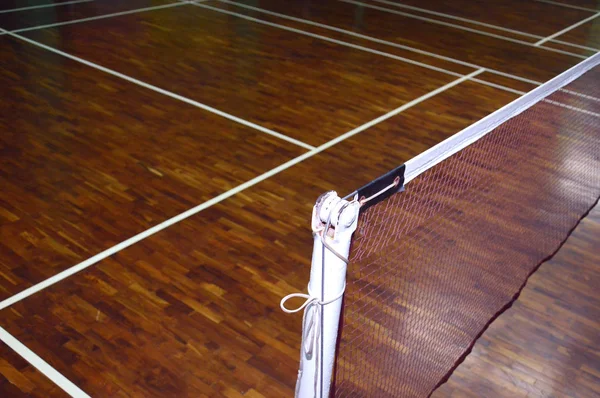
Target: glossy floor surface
x,y
159,161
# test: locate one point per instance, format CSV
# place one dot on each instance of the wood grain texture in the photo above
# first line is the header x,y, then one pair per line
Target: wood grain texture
x,y
193,311
12,4
489,52
88,160
560,307
432,266
510,14
18,379
296,85
589,4
68,12
587,34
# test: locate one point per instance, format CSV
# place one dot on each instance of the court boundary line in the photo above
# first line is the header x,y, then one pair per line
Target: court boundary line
x,y
60,380
284,27
219,198
568,28
65,3
375,40
108,252
487,25
96,17
558,3
307,22
163,91
460,27
453,144
44,367
380,41
298,31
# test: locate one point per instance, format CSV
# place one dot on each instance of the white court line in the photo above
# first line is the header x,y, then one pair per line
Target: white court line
x,y
165,224
116,14
460,27
572,108
388,43
565,30
487,25
44,6
556,3
329,39
304,21
457,18
560,104
65,384
163,91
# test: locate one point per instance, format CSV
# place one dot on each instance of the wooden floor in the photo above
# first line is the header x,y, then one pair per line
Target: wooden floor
x,y
117,116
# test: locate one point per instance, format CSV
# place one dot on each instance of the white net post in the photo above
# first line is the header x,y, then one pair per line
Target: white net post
x,y
334,221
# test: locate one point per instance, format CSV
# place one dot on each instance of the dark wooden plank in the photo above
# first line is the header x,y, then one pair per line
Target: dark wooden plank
x,y
489,52
68,12
587,34
193,310
297,85
510,14
587,4
12,4
18,379
429,268
88,160
547,344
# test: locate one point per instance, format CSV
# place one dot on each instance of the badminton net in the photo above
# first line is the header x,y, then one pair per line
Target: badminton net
x,y
432,266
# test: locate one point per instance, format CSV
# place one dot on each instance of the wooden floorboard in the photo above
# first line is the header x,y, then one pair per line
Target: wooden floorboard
x,y
587,4
509,14
212,298
68,12
19,379
489,52
88,159
546,344
587,34
244,68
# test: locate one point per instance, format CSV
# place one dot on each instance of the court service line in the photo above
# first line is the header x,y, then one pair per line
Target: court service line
x,y
329,39
487,25
565,30
460,27
380,41
557,3
284,27
57,378
164,92
560,104
94,18
572,108
376,40
367,49
219,198
44,6
308,22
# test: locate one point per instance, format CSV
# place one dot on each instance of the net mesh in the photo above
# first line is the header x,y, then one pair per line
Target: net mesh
x,y
431,267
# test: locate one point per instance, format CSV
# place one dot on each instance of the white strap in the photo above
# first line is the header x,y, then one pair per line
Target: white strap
x,y
310,324
310,299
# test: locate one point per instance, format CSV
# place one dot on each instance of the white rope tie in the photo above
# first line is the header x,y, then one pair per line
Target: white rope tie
x,y
312,330
310,299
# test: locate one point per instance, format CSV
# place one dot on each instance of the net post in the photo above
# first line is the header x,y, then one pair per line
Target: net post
x,y
333,222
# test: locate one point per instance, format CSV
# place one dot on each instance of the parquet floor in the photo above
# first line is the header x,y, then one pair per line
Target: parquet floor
x,y
159,161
